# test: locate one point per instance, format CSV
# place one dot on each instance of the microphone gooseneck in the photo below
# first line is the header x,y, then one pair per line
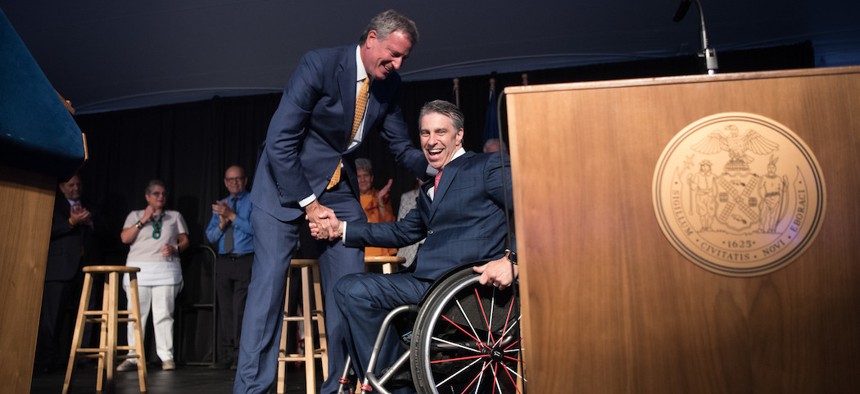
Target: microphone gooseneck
x,y
710,54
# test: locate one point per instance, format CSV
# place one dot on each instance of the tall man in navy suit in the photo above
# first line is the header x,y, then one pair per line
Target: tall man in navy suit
x,y
462,215
303,175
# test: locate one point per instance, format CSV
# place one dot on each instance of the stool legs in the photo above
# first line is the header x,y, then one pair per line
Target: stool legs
x,y
282,350
77,337
112,316
318,300
309,315
138,334
108,319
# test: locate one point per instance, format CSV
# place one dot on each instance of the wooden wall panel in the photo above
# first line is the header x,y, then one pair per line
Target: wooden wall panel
x,y
26,206
611,306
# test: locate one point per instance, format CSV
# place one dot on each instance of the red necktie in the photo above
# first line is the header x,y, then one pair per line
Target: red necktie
x,y
436,182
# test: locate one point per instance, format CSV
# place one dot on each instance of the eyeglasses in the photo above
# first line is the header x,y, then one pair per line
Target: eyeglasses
x,y
236,179
158,194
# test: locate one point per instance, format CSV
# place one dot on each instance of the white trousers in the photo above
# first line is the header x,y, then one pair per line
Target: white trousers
x,y
161,300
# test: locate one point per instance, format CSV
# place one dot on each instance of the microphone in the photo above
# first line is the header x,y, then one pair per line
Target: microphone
x,y
682,10
710,54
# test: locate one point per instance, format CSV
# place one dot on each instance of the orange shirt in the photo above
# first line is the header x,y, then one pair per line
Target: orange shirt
x,y
377,214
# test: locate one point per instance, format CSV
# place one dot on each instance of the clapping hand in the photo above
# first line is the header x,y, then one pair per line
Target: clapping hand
x,y
224,212
80,215
384,193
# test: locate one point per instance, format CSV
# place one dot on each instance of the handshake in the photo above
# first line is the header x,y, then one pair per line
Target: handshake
x,y
323,222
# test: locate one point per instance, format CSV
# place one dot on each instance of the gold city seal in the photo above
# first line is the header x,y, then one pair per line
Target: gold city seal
x,y
739,194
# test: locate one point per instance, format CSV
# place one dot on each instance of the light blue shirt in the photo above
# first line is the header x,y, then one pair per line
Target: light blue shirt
x,y
243,233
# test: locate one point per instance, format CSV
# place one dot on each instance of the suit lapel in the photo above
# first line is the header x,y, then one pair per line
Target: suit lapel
x,y
449,172
63,205
424,199
346,80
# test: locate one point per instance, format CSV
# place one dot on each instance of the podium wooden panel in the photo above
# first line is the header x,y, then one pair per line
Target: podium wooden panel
x,y
610,306
26,206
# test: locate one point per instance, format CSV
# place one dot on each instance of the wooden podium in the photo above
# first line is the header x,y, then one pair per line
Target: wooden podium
x,y
40,145
611,306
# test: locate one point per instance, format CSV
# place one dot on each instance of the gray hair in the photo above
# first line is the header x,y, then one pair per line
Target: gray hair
x,y
444,108
363,164
153,183
389,22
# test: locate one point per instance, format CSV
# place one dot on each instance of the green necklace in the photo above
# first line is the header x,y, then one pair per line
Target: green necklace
x,y
156,226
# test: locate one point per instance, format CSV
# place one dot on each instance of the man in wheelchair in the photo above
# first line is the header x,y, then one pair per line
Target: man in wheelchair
x,y
462,218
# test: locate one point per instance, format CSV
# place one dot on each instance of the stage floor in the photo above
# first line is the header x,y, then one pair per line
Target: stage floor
x,y
184,380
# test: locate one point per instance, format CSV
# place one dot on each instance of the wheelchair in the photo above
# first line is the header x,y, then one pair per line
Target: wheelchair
x,y
465,339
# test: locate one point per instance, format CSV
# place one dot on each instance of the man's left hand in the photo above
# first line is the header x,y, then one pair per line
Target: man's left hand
x,y
497,273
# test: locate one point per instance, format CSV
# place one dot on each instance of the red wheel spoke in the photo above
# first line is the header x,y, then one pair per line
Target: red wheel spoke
x,y
475,379
464,358
478,341
508,317
484,314
514,359
511,378
512,344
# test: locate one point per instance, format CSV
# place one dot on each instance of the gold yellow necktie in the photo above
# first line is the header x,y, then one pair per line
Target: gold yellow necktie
x,y
360,106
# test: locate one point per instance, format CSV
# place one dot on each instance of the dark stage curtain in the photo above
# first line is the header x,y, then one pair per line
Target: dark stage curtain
x,y
190,145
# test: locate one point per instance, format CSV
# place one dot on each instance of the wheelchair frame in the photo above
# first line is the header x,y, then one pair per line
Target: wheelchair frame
x,y
450,346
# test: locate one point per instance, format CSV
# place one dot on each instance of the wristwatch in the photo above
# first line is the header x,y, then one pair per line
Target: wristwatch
x,y
512,256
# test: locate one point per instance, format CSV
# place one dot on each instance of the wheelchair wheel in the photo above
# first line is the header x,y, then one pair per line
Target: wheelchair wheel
x,y
466,338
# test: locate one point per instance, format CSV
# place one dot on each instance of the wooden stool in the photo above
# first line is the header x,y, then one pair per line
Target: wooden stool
x,y
305,319
109,318
390,264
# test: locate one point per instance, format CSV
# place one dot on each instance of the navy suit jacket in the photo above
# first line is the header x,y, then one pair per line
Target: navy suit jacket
x,y
309,133
463,224
70,246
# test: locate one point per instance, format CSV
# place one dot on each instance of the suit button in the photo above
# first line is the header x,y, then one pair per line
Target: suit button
x,y
429,232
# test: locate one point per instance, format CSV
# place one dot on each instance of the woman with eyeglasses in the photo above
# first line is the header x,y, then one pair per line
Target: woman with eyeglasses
x,y
156,236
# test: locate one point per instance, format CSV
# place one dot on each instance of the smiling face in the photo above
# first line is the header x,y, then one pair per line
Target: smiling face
x,y
365,180
72,188
439,139
235,180
383,56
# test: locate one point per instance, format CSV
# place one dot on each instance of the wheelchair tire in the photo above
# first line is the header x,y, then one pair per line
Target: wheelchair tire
x,y
466,338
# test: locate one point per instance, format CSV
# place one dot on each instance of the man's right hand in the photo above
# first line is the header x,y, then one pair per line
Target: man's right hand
x,y
323,222
79,216
335,233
